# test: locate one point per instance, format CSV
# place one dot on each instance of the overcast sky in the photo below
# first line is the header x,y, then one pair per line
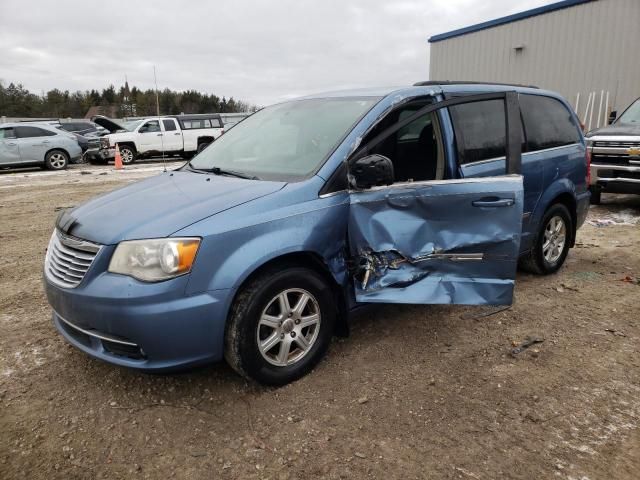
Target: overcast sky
x,y
258,51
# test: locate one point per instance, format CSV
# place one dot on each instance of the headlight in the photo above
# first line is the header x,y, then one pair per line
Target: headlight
x,y
154,260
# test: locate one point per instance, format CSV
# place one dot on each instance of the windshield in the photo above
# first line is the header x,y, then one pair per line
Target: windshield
x,y
132,124
631,114
286,142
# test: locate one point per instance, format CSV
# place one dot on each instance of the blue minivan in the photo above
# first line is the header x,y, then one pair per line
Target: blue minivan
x,y
259,247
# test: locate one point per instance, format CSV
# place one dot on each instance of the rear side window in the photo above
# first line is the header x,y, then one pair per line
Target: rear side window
x,y
30,132
480,129
169,125
547,123
201,123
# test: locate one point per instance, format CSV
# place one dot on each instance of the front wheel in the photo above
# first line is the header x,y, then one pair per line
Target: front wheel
x,y
128,154
552,242
280,326
596,195
56,160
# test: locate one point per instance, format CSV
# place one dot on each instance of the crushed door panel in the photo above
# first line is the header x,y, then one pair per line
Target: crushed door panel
x,y
437,242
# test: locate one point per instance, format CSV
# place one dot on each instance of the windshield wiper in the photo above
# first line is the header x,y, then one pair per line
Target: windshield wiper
x,y
220,171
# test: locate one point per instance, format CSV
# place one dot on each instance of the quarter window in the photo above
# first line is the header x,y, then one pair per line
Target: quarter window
x,y
30,132
547,122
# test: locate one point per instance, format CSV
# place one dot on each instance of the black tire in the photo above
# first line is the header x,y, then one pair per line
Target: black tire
x,y
56,160
128,154
535,261
203,145
244,328
596,196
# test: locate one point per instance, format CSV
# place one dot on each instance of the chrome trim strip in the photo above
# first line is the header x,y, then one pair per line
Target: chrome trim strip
x,y
457,257
488,160
552,148
78,243
614,138
625,168
622,151
426,183
101,336
331,194
619,179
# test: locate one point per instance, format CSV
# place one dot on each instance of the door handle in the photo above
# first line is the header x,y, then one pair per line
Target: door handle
x,y
177,133
12,144
159,134
46,141
502,202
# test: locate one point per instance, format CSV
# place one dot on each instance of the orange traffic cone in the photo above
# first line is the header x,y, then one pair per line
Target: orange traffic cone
x,y
118,163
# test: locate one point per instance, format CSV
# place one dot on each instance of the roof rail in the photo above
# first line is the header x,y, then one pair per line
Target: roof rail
x,y
467,82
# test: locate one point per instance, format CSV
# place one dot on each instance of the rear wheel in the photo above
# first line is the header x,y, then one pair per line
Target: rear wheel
x,y
280,326
552,242
56,160
203,145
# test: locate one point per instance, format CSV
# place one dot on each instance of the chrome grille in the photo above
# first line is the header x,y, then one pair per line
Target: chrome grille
x,y
68,259
620,144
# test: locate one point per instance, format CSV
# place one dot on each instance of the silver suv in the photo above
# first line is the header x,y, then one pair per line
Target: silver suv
x,y
30,144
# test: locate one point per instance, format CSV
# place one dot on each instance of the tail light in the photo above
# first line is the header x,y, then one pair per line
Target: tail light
x,y
587,159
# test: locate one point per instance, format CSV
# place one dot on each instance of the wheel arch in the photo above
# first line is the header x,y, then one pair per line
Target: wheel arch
x,y
128,143
307,259
57,149
562,192
205,139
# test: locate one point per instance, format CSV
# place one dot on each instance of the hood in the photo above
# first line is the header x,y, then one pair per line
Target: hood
x,y
159,206
623,129
111,125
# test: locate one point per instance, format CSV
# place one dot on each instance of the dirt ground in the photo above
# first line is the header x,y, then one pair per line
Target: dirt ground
x,y
414,392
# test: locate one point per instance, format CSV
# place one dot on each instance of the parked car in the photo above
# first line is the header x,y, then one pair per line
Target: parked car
x,y
32,144
615,155
86,129
182,135
259,247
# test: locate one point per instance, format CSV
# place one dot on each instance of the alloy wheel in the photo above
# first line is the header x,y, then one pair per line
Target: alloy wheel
x,y
288,327
555,236
127,155
57,160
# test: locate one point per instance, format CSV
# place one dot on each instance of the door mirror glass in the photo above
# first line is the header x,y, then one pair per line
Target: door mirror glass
x,y
371,171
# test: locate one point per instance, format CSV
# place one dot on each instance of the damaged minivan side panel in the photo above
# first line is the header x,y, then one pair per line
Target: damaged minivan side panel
x,y
437,242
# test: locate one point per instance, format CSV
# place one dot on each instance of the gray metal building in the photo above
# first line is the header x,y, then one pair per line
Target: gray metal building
x,y
583,47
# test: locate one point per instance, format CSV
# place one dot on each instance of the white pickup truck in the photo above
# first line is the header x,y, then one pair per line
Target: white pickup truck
x,y
183,135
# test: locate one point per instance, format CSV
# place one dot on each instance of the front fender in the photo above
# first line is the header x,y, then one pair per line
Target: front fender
x,y
226,259
120,138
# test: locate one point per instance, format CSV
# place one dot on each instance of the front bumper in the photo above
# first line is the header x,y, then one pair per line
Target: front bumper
x,y
152,327
616,178
107,153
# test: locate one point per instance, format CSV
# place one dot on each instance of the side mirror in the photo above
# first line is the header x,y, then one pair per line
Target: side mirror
x,y
370,171
612,116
